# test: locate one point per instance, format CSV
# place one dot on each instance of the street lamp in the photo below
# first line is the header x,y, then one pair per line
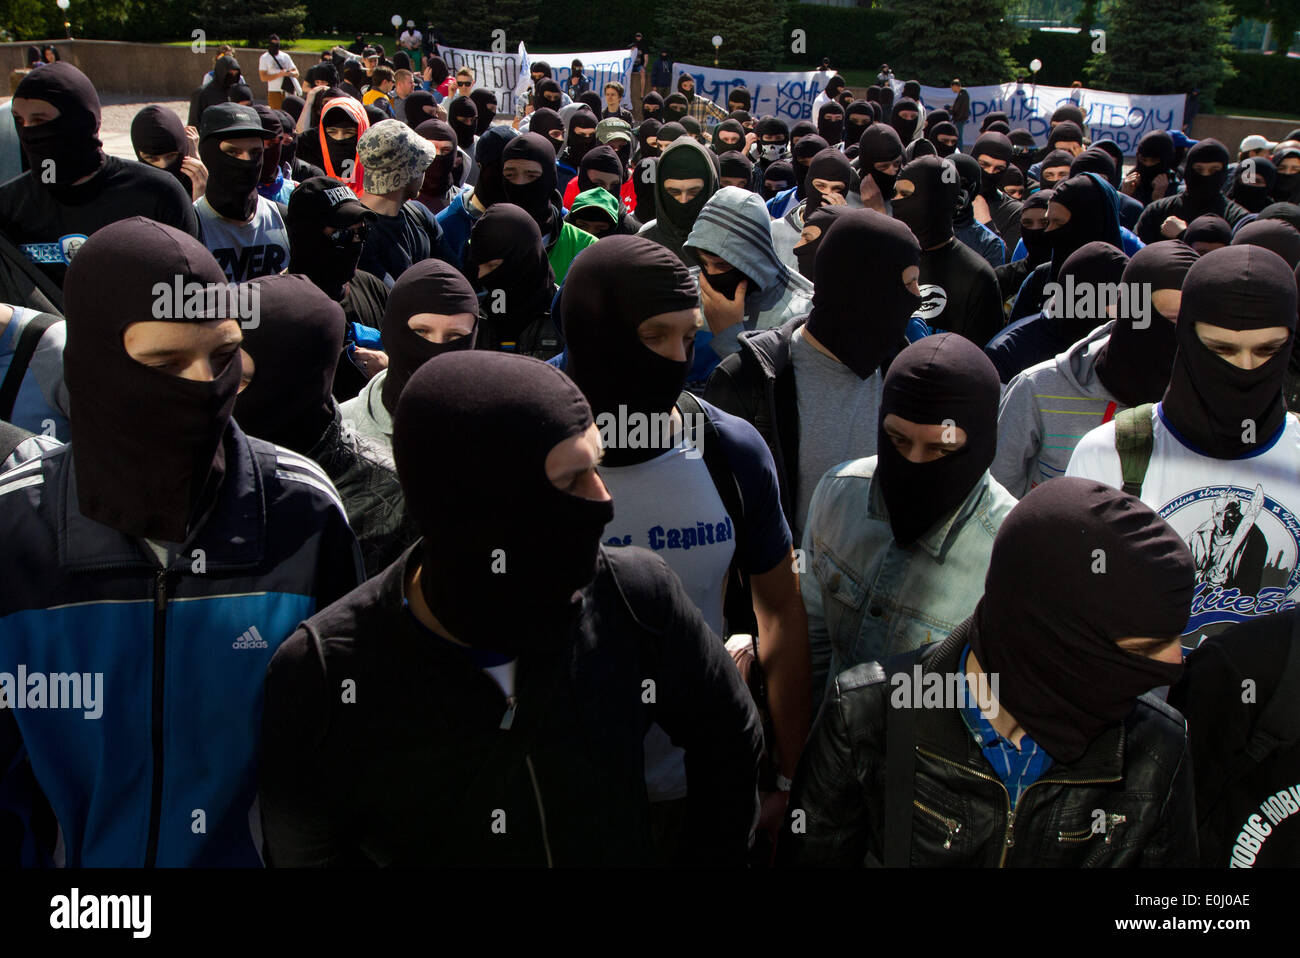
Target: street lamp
x,y
717,42
395,20
67,24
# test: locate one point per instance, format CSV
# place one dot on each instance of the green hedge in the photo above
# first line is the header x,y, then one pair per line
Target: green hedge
x,y
853,37
1263,82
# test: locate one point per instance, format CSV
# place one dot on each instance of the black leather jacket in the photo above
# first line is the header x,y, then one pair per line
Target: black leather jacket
x,y
1137,775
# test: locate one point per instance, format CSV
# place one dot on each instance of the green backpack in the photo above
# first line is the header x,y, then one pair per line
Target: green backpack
x,y
1134,442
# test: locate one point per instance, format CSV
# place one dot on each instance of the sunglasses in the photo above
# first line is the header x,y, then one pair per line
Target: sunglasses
x,y
462,83
344,237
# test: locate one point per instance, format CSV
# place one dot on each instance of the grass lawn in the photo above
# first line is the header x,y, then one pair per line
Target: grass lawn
x,y
1222,110
312,44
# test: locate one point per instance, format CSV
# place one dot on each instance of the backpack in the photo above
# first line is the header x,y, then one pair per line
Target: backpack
x,y
28,340
1134,441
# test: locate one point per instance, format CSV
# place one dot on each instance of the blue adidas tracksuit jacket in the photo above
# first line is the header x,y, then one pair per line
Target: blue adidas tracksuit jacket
x,y
167,774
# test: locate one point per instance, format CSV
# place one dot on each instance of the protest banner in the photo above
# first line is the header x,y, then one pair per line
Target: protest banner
x,y
786,95
498,72
599,66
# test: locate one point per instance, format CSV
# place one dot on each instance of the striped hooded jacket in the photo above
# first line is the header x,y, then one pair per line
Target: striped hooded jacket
x,y
135,691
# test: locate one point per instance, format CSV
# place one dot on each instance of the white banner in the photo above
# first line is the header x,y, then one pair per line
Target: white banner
x,y
599,67
1122,117
786,95
498,72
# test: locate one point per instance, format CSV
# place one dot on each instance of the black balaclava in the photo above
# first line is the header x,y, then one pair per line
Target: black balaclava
x,y
939,380
295,350
490,186
1093,216
329,264
863,250
241,93
1209,228
1257,193
968,175
354,73
1068,112
146,444
1116,155
740,95
1093,265
833,86
1023,149
1286,186
549,95
912,90
1056,159
271,150
771,152
737,165
692,127
602,159
806,255
857,117
670,133
1201,194
1094,160
1134,363
994,116
342,153
779,172
438,176
593,101
1011,176
652,106
289,151
1048,621
644,177
906,129
437,70
877,111
545,122
807,147
486,102
800,130
936,116
1038,245
293,105
999,127
886,101
413,108
1158,144
646,130
675,107
232,183
523,285
429,286
1065,132
1288,212
829,164
66,148
929,211
610,290
577,144
538,198
873,93
727,126
998,147
1276,235
917,149
1208,399
830,123
943,128
462,114
157,130
500,415
879,143
684,159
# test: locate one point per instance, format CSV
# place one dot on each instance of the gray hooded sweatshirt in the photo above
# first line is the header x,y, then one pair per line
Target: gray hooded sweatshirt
x,y
735,226
1046,410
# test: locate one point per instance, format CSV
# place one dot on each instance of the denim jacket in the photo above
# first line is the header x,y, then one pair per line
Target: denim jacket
x,y
867,598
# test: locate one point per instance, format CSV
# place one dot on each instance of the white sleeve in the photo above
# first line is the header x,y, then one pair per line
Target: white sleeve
x,y
1095,457
266,64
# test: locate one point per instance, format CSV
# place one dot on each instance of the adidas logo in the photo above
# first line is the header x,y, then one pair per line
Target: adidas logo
x,y
252,639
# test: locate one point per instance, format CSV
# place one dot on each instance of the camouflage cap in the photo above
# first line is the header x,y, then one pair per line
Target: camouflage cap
x,y
391,154
612,128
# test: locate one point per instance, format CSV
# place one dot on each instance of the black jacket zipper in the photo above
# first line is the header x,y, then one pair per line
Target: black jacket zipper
x,y
156,731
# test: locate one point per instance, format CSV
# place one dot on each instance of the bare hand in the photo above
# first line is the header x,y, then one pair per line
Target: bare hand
x,y
1130,183
872,198
193,167
980,206
1172,227
720,312
833,198
192,136
369,361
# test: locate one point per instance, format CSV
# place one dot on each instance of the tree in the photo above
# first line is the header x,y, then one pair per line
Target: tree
x,y
751,31
250,20
470,23
1164,46
937,40
1282,15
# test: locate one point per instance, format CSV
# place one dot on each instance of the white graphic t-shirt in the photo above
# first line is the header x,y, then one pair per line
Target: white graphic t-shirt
x,y
1237,516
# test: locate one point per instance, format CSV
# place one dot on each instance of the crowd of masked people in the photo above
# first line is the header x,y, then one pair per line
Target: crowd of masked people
x,y
673,485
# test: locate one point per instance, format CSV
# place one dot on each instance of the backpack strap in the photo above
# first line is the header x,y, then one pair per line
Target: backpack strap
x,y
1134,441
900,769
28,339
11,437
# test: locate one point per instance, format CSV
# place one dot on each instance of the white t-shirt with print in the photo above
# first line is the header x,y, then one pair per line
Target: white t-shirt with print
x,y
1239,517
